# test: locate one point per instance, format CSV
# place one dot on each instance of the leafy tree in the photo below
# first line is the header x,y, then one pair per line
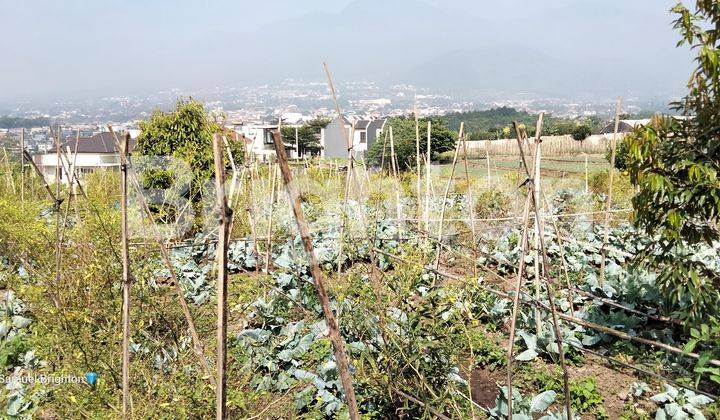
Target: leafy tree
x,y
308,135
184,133
442,140
581,132
675,164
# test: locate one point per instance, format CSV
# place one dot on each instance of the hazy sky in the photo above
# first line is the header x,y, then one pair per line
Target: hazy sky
x,y
72,48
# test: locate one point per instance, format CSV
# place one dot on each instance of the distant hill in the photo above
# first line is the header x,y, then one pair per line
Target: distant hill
x,y
12,122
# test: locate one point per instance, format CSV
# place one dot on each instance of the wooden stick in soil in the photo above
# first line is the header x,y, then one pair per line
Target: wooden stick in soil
x,y
427,180
224,217
58,240
417,161
125,278
608,202
268,233
350,171
398,206
333,329
537,222
445,195
45,184
22,165
8,172
471,205
516,300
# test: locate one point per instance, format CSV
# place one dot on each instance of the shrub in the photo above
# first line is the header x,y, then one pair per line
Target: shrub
x,y
581,132
492,203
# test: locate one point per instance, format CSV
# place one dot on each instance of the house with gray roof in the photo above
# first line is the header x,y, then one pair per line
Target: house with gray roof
x,y
333,138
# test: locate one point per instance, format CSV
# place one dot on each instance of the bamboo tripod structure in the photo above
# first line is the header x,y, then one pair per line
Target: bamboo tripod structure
x,y
519,280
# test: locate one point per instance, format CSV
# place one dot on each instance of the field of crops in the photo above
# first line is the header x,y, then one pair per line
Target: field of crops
x,y
421,275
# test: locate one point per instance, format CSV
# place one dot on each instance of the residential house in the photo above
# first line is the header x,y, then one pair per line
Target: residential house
x,y
94,153
334,137
259,140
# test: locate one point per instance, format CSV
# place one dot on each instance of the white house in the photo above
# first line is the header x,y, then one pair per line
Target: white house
x,y
259,140
93,153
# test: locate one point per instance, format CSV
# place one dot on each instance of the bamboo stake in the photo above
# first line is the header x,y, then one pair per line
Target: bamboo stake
x,y
538,220
268,233
461,134
58,240
516,300
471,204
297,144
42,178
427,180
333,329
608,202
586,173
398,206
351,159
126,279
417,160
224,217
22,165
8,172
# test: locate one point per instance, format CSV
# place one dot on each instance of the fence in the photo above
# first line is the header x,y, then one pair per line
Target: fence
x,y
551,145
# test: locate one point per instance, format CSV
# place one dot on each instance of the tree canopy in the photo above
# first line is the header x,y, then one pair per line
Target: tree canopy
x,y
442,140
184,133
675,162
495,123
308,135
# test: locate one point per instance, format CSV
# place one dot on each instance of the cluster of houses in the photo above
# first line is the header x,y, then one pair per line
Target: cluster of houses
x,y
98,152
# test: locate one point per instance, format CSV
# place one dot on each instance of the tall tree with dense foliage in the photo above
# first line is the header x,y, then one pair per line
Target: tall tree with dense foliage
x,y
675,164
184,133
442,140
308,135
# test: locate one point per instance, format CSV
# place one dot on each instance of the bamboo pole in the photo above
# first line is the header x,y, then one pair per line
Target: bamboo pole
x,y
224,217
516,300
586,173
608,201
126,279
417,160
427,179
461,134
398,206
271,205
58,240
318,283
471,204
351,160
22,165
297,144
55,199
538,220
